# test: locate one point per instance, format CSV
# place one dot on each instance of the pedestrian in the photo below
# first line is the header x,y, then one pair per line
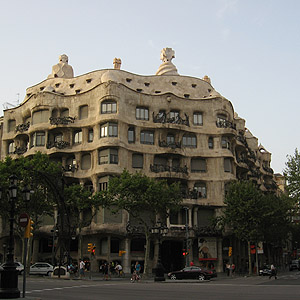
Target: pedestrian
x,y
81,268
191,264
119,269
232,269
227,269
273,272
106,273
137,268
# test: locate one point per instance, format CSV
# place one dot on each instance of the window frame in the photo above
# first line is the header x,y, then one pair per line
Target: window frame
x,y
196,116
109,129
111,155
185,139
142,113
143,137
108,103
78,137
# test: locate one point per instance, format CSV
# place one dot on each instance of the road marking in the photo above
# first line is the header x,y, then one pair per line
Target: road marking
x,y
66,287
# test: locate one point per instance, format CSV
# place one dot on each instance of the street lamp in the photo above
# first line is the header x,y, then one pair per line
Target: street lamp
x,y
9,274
186,236
159,230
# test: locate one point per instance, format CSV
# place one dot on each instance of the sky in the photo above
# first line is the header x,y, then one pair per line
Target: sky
x,y
249,48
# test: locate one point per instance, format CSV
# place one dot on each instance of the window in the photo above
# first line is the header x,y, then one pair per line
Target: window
x,y
198,165
58,137
78,137
90,135
200,187
160,161
211,142
64,112
109,130
131,135
198,118
142,113
11,125
11,148
174,114
86,161
227,165
108,107
40,116
103,183
83,112
189,141
221,120
39,138
137,160
108,156
147,137
225,142
170,139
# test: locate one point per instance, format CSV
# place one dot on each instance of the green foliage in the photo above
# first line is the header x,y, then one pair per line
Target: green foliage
x,y
292,175
29,171
138,193
244,211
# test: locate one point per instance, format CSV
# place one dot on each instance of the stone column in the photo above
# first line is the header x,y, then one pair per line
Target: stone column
x,y
195,221
127,257
35,250
190,217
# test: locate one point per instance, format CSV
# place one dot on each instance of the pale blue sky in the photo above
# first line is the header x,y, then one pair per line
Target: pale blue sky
x,y
249,48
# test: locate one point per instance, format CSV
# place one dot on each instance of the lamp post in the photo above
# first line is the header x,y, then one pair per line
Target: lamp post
x,y
9,274
186,236
159,230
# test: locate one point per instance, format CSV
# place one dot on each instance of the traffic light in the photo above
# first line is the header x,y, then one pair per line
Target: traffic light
x,y
230,251
90,247
28,229
93,250
252,249
184,252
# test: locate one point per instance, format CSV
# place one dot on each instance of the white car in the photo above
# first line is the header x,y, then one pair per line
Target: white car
x,y
41,268
19,267
63,272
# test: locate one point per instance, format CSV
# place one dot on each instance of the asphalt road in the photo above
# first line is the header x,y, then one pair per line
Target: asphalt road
x,y
287,286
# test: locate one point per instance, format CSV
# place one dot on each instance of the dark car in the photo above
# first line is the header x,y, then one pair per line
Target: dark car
x,y
294,265
192,273
265,271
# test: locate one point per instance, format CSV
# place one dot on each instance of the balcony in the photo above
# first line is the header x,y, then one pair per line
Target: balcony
x,y
172,145
58,145
225,124
164,118
22,127
165,168
20,150
61,120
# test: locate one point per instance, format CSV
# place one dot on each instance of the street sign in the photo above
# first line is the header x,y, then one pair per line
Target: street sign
x,y
23,219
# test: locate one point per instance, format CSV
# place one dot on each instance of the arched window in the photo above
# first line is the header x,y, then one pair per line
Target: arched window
x,y
78,137
11,148
200,187
108,107
189,140
83,112
40,116
86,161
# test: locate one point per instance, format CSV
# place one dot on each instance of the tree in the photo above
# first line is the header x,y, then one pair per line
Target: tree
x,y
292,175
244,213
137,194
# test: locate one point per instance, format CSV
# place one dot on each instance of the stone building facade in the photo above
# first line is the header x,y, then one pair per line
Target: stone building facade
x,y
167,126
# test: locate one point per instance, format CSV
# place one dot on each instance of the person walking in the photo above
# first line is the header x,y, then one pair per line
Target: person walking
x,y
81,268
273,272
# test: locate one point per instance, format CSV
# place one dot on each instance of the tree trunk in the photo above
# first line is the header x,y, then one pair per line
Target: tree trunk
x,y
249,258
147,270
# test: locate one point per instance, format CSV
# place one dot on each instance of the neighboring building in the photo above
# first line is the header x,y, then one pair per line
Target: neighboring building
x,y
167,126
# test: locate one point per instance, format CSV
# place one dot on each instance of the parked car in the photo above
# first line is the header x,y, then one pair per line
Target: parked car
x,y
41,268
295,264
193,273
265,271
19,267
63,272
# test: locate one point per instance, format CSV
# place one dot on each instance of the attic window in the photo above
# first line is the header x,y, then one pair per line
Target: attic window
x,y
72,85
174,82
77,91
186,95
42,88
88,80
139,90
209,90
57,85
157,92
147,83
128,79
194,85
29,94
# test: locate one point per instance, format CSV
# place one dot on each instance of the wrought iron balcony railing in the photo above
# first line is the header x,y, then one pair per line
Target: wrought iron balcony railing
x,y
163,118
61,120
22,127
165,168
